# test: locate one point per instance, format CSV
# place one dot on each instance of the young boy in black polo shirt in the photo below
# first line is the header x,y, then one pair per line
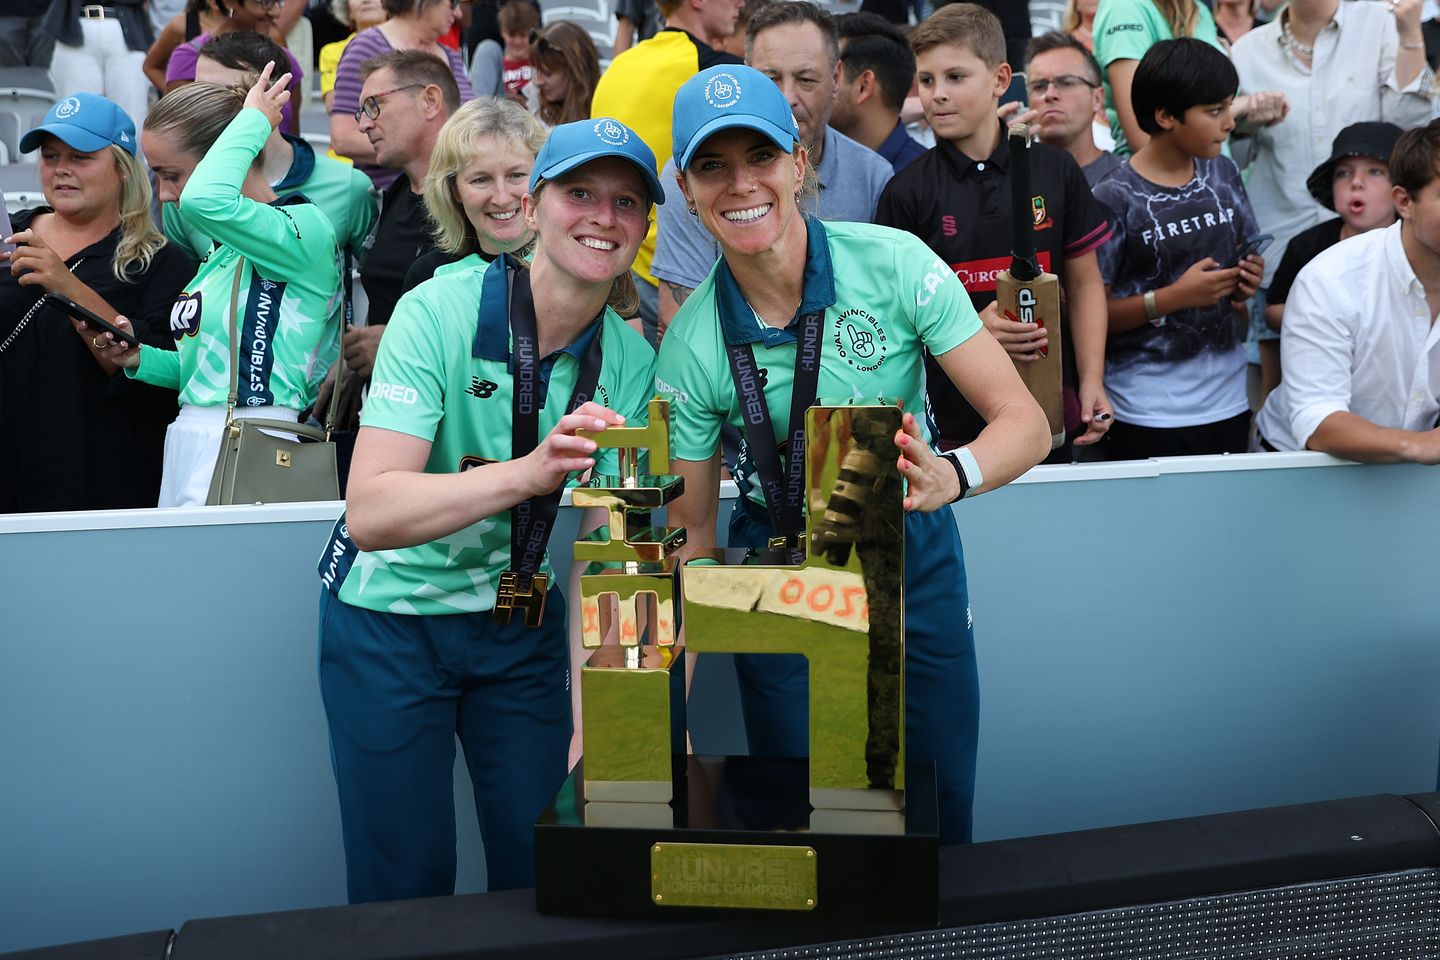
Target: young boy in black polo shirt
x,y
1175,366
957,199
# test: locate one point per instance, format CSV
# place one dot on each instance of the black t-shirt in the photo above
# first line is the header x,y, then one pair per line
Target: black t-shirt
x,y
402,236
74,438
1306,246
961,209
424,268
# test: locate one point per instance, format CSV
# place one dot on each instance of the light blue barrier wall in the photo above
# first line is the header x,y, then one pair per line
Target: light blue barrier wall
x,y
1221,635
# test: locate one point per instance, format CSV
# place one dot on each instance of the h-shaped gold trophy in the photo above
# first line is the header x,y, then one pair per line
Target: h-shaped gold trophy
x,y
688,837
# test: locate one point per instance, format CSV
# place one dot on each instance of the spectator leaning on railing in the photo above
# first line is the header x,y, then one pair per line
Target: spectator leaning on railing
x,y
1337,63
1359,339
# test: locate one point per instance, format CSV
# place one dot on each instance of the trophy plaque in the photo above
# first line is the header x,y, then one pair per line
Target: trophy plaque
x,y
641,830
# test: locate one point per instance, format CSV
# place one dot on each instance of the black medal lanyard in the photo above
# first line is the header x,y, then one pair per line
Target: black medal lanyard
x,y
784,491
531,521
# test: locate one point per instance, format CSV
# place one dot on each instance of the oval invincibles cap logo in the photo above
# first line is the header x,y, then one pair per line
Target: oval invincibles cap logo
x,y
612,132
722,91
67,108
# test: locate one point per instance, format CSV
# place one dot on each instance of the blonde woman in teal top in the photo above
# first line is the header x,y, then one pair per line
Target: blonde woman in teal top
x,y
468,438
204,143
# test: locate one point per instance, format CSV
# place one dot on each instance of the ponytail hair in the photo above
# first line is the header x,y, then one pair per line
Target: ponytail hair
x,y
196,114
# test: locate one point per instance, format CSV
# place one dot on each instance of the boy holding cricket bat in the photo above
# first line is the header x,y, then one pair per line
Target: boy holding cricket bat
x,y
958,198
1181,263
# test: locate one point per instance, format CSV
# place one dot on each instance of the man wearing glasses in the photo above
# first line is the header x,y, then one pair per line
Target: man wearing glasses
x,y
1065,97
405,98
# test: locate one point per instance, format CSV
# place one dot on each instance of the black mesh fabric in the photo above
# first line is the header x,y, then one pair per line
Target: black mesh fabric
x,y
1390,916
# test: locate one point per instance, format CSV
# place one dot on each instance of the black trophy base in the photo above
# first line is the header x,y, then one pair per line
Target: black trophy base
x,y
599,858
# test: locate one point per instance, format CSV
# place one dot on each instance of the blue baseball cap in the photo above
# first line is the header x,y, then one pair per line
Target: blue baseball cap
x,y
572,144
730,96
86,122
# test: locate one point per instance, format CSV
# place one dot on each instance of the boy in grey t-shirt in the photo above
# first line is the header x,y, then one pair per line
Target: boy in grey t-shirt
x,y
1175,369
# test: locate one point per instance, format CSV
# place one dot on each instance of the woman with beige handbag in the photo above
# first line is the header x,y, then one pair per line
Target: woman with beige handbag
x,y
258,326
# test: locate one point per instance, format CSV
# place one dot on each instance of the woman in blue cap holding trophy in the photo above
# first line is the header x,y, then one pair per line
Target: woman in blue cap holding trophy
x,y
438,613
871,300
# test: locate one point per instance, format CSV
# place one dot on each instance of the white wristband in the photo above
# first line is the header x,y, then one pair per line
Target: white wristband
x,y
968,469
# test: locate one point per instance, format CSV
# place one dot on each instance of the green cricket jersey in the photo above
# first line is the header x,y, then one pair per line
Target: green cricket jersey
x,y
886,298
289,288
342,193
444,376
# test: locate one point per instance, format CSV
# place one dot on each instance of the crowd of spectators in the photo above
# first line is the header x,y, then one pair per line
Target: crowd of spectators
x,y
1238,196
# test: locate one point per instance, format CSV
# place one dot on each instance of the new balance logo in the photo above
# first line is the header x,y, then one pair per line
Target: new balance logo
x,y
481,388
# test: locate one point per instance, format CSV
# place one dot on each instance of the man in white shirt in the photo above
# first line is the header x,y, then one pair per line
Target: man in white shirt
x,y
1359,344
1337,63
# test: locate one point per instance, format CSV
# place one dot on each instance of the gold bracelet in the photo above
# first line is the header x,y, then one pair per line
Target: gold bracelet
x,y
1152,312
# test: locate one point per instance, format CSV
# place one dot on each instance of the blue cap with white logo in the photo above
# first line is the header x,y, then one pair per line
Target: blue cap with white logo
x,y
730,96
86,122
572,144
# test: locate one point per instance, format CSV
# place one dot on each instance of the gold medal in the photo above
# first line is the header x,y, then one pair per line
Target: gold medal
x,y
516,595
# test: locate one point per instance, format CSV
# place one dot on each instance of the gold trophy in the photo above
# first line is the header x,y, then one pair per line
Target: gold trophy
x,y
625,690
850,833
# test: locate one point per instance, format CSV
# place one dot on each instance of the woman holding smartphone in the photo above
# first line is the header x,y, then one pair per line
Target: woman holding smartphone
x,y
467,440
76,435
868,301
277,260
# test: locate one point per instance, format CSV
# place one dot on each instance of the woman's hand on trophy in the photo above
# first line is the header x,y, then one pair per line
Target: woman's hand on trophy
x,y
562,453
931,480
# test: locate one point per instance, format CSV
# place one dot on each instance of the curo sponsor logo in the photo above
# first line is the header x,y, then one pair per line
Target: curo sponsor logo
x,y
395,393
979,276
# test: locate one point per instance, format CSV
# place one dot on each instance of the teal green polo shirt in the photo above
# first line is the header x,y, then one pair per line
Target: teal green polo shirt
x,y
444,374
886,298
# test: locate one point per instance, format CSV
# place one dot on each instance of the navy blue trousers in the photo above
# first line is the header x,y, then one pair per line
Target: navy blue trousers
x,y
942,684
397,691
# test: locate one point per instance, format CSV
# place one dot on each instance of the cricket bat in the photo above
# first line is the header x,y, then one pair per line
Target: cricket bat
x,y
1027,294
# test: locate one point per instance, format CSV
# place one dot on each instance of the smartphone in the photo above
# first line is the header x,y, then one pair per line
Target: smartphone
x,y
1018,91
5,230
91,320
1253,246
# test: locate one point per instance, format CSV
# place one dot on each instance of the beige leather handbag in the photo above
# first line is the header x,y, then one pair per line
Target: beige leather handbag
x,y
254,465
